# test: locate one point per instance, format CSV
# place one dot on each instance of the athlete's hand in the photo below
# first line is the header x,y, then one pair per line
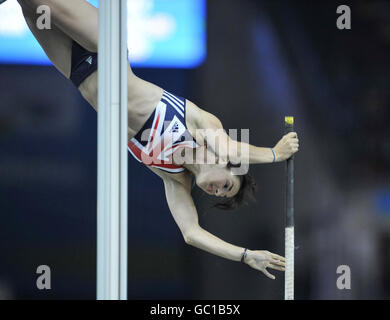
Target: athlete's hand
x,y
287,146
261,260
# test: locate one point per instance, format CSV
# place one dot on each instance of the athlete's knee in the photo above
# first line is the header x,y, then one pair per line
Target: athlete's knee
x,y
29,5
24,4
27,13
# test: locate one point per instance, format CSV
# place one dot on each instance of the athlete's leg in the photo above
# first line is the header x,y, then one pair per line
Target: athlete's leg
x,y
56,44
77,18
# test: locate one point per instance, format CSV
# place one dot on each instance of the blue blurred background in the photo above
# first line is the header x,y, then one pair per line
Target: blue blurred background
x,y
265,59
161,33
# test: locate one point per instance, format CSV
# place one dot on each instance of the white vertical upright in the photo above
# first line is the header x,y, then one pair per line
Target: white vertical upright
x,y
124,150
112,151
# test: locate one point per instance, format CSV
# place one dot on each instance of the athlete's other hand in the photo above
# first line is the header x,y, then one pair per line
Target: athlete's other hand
x,y
261,260
287,146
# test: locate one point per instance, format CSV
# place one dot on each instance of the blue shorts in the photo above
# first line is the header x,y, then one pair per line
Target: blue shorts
x,y
84,63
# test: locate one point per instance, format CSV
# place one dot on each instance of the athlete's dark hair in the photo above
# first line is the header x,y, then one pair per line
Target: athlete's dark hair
x,y
247,192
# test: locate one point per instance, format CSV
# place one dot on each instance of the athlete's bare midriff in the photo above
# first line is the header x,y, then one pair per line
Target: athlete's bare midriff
x,y
143,98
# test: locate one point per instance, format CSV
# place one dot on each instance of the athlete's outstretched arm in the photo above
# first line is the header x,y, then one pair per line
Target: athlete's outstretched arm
x,y
241,152
184,212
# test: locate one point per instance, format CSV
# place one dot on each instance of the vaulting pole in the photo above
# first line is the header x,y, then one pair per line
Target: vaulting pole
x,y
289,229
112,151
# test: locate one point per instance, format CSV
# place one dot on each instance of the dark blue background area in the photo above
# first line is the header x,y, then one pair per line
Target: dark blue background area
x,y
49,211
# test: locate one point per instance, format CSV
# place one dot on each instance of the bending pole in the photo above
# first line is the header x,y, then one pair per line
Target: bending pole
x,y
112,151
289,229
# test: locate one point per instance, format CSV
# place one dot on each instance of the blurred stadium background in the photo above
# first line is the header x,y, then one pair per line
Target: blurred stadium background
x,y
265,59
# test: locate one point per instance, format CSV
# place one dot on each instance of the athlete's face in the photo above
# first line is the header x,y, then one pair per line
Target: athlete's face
x,y
217,179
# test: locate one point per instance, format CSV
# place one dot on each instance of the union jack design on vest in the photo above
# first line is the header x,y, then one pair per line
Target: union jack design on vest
x,y
163,133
